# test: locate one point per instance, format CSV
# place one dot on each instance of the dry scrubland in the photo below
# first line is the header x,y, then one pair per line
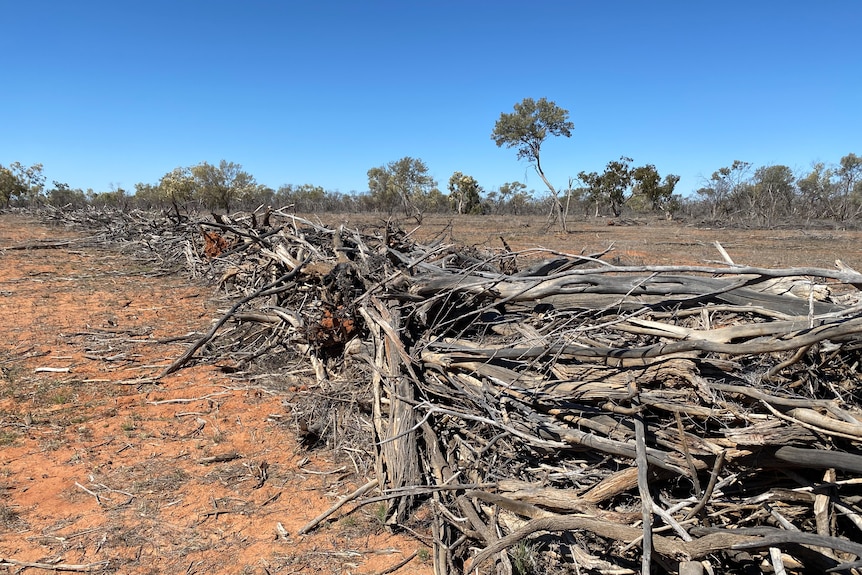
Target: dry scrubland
x,y
201,472
642,242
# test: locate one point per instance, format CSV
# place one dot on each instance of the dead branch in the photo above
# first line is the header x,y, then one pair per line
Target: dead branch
x,y
511,396
338,505
81,567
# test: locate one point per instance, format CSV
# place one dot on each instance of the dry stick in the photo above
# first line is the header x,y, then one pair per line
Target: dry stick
x,y
849,513
774,537
525,436
800,353
96,495
83,567
724,255
777,562
320,518
847,277
485,531
845,567
809,426
423,490
820,458
773,399
825,422
265,290
787,341
189,399
647,504
715,540
691,468
822,515
713,479
398,565
671,522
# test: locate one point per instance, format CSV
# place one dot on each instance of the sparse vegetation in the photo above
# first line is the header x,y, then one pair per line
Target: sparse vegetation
x,y
131,467
61,398
737,195
7,437
380,511
524,558
8,516
151,478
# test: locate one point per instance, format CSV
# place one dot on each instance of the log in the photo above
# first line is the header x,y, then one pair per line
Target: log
x,y
528,401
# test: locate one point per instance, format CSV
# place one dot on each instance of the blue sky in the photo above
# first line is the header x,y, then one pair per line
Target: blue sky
x,y
112,93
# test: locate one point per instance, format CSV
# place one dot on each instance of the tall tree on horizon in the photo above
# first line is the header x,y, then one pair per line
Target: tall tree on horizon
x,y
526,129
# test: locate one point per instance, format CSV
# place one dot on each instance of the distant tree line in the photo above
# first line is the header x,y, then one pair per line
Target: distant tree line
x,y
737,195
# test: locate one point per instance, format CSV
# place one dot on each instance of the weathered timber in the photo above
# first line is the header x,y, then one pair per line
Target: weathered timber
x,y
507,396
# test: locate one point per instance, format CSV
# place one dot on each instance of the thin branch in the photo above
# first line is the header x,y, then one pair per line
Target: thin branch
x,y
265,290
341,502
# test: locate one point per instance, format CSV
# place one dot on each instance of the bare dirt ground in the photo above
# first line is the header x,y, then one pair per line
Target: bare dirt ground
x,y
658,242
103,469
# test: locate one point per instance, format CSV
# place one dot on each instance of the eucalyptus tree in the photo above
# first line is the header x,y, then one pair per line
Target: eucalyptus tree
x,y
725,185
620,182
526,129
849,186
404,182
25,183
514,198
33,178
62,195
772,194
10,185
465,194
303,198
616,181
222,186
611,186
177,187
593,185
816,192
649,185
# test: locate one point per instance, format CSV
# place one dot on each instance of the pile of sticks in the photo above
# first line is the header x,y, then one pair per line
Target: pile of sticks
x,y
563,414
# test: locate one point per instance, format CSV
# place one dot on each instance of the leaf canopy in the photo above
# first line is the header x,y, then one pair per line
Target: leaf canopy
x,y
529,126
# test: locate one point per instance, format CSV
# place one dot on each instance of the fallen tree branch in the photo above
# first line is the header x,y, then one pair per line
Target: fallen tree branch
x,y
265,290
308,527
677,550
82,567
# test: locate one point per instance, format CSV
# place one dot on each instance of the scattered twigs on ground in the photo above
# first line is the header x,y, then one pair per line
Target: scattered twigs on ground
x,y
571,397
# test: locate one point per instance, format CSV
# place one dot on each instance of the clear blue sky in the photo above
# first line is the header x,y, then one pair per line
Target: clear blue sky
x,y
119,92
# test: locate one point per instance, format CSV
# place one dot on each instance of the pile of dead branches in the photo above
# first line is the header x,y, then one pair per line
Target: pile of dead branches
x,y
561,414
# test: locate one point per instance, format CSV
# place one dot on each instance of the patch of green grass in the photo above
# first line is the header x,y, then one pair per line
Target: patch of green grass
x,y
424,555
62,397
524,559
380,513
8,437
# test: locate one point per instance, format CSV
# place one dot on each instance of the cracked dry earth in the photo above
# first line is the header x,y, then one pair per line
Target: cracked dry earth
x,y
103,469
